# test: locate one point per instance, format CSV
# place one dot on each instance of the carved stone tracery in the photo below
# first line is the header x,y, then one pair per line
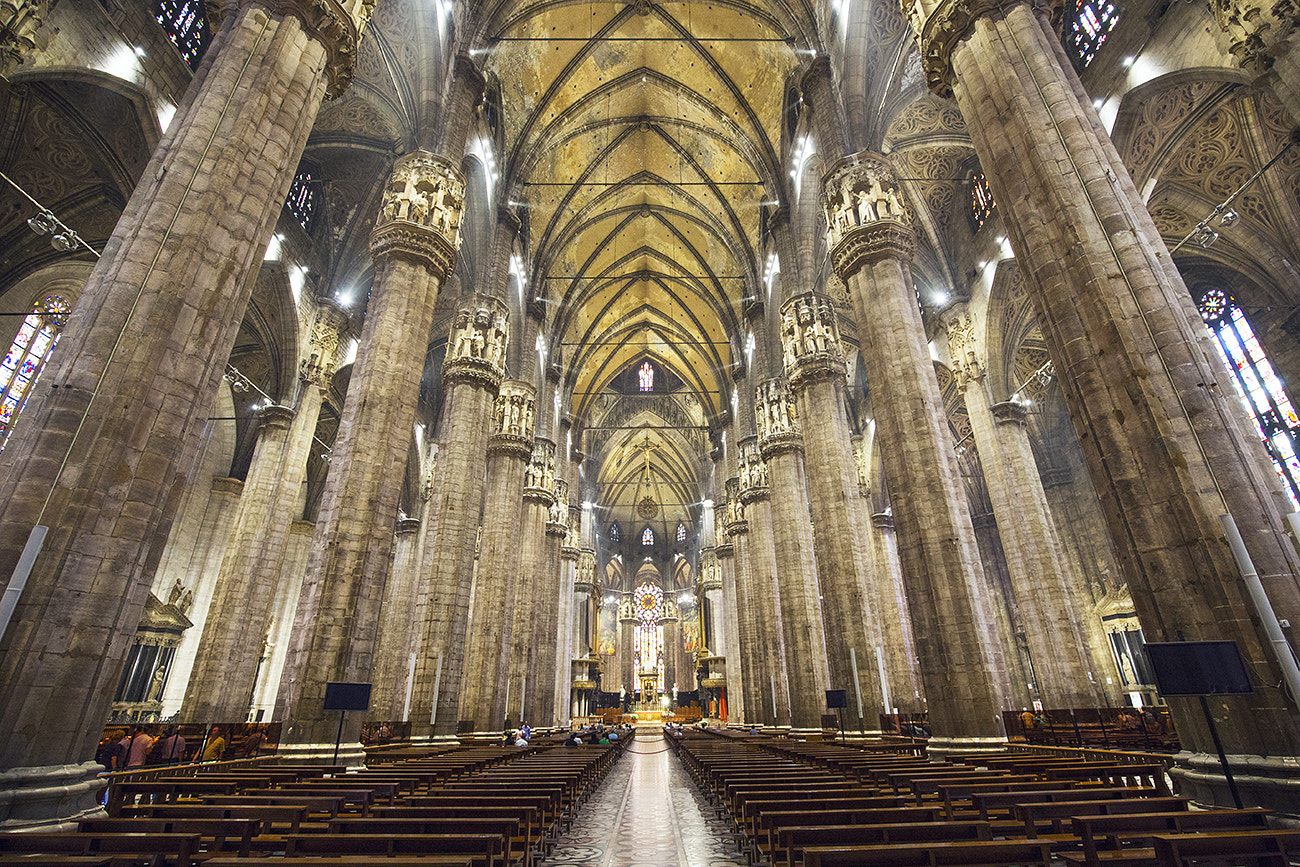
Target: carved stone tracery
x,y
420,214
778,425
512,424
865,214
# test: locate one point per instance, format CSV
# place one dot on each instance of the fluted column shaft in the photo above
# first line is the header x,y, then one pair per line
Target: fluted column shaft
x,y
533,610
1050,610
1168,445
392,649
102,459
337,620
487,661
961,662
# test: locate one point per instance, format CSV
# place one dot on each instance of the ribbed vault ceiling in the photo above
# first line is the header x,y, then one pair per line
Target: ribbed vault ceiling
x,y
642,139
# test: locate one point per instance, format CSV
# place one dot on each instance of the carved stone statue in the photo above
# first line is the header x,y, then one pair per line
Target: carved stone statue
x,y
156,684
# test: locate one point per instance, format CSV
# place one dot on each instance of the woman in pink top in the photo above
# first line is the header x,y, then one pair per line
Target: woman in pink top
x,y
141,743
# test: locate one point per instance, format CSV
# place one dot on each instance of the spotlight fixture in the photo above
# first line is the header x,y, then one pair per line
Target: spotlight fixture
x,y
64,241
1204,237
43,223
1229,218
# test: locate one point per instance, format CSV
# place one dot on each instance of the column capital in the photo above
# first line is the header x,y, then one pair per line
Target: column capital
x,y
585,579
1010,412
336,24
948,24
275,416
22,19
752,484
420,215
323,344
406,526
774,412
539,475
513,413
810,340
476,347
882,521
866,217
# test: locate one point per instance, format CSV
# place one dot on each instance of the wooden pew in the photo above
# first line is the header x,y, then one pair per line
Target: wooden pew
x,y
531,836
1274,848
156,849
505,827
485,850
995,852
993,806
213,832
169,790
791,841
1057,812
289,816
1104,838
342,861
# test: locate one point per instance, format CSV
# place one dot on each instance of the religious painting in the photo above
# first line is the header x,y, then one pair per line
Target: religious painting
x,y
607,630
690,623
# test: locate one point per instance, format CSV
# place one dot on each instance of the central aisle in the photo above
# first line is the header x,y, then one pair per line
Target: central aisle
x,y
646,814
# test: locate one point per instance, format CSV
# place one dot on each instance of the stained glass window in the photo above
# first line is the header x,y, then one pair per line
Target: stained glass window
x,y
649,641
647,536
304,199
186,27
981,201
647,377
26,358
681,532
614,534
1257,384
1088,28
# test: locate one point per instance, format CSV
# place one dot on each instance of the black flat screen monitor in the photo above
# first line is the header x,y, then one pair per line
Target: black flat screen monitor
x,y
1199,668
347,696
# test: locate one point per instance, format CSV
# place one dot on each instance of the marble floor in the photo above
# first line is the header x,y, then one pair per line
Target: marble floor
x,y
646,814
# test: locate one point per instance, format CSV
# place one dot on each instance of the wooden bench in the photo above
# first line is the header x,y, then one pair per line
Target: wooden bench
x,y
531,836
484,850
1273,848
214,832
793,840
1055,813
170,790
322,805
1105,837
342,860
157,849
289,817
999,852
998,805
762,837
505,827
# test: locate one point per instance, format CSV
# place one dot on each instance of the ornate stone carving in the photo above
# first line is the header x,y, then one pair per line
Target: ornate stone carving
x,y
323,345
939,34
627,611
337,24
1256,32
1010,412
275,416
860,463
961,352
430,472
420,214
512,425
753,484
810,339
407,526
710,571
668,611
476,348
865,215
585,579
778,426
22,18
539,475
557,522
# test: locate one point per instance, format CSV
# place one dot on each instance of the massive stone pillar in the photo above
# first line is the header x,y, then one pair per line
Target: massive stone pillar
x,y
487,660
393,661
751,646
735,618
221,683
562,551
92,477
669,615
961,663
414,249
627,624
1051,611
1168,444
533,593
586,596
472,374
771,670
802,626
814,362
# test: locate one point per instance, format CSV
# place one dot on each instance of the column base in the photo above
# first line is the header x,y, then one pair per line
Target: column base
x,y
939,749
351,755
1272,782
51,797
434,740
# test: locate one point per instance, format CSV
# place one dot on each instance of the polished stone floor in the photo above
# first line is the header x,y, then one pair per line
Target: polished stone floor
x,y
646,814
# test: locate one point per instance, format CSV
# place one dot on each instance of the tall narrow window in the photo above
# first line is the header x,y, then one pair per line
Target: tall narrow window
x,y
647,536
648,650
614,534
1257,384
1088,28
304,199
647,376
681,532
186,27
27,356
981,201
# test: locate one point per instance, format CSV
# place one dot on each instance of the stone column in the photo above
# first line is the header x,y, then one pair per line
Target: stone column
x,y
803,628
564,554
1168,444
1049,608
533,592
711,590
487,661
586,596
735,550
22,18
669,615
771,671
221,683
472,374
393,666
101,460
961,663
814,362
414,248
